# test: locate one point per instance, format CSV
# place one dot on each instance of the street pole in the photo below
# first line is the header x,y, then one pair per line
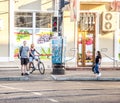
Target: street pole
x,y
59,68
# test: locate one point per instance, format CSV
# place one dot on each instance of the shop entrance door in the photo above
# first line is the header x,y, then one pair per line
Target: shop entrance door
x,y
86,48
86,39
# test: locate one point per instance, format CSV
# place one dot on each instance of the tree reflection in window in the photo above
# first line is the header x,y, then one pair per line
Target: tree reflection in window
x,y
43,20
23,19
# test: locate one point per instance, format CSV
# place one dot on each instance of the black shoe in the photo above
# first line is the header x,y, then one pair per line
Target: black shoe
x,y
26,74
22,74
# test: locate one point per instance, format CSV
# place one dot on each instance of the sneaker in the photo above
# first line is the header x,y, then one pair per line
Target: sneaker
x,y
28,72
99,74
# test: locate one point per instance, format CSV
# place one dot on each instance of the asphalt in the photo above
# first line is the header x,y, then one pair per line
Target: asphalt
x,y
11,72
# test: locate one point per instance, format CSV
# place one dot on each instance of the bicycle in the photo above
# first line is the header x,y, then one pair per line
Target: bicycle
x,y
39,65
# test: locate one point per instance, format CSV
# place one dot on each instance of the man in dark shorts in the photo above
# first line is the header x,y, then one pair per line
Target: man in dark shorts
x,y
24,57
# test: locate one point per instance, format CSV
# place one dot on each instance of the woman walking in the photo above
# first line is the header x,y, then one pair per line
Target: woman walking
x,y
97,63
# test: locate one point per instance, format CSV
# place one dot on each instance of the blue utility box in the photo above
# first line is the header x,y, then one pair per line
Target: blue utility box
x,y
58,50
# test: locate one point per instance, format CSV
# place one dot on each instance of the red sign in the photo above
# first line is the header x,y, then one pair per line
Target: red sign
x,y
115,5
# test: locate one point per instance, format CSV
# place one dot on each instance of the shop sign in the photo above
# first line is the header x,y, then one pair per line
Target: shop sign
x,y
115,5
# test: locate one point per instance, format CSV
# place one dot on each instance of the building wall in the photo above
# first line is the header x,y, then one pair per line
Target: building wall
x,y
7,42
69,28
4,32
106,40
40,27
69,34
34,5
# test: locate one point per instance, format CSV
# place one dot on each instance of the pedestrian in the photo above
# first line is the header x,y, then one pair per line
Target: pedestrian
x,y
24,57
97,64
32,55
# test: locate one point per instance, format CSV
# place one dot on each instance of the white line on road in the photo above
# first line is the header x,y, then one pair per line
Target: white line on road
x,y
8,87
53,100
36,93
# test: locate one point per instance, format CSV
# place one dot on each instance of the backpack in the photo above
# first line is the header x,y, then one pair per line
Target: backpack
x,y
21,50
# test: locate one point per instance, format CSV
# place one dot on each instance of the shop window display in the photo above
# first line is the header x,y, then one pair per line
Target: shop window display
x,y
37,31
20,36
43,42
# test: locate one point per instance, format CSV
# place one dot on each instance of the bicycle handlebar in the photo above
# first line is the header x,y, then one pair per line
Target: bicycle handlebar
x,y
44,55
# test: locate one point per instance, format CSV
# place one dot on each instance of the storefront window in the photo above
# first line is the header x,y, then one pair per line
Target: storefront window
x,y
43,20
42,42
20,36
33,27
23,19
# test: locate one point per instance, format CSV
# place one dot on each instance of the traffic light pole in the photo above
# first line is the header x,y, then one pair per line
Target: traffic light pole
x,y
60,68
60,20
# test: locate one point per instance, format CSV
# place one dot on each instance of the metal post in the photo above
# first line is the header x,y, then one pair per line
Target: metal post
x,y
59,67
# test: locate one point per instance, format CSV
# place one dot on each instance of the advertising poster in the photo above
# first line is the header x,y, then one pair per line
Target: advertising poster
x,y
20,36
57,48
43,43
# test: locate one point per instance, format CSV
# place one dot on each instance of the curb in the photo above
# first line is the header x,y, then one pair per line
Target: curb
x,y
26,78
14,79
85,78
55,78
8,67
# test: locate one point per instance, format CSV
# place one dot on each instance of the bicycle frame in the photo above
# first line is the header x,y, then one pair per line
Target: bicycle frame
x,y
39,65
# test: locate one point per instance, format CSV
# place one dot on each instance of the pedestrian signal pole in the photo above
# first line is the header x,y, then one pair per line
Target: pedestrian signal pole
x,y
57,44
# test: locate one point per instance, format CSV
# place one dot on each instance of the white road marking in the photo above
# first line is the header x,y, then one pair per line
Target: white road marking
x,y
8,87
36,93
53,100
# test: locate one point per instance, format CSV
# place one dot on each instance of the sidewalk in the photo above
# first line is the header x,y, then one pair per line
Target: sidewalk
x,y
10,71
13,74
88,75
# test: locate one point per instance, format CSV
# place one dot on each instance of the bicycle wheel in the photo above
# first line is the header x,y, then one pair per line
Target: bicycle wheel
x,y
41,67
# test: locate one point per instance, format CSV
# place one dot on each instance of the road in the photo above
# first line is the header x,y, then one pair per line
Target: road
x,y
59,92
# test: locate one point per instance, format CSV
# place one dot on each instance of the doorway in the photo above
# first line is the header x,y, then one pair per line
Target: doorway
x,y
86,40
